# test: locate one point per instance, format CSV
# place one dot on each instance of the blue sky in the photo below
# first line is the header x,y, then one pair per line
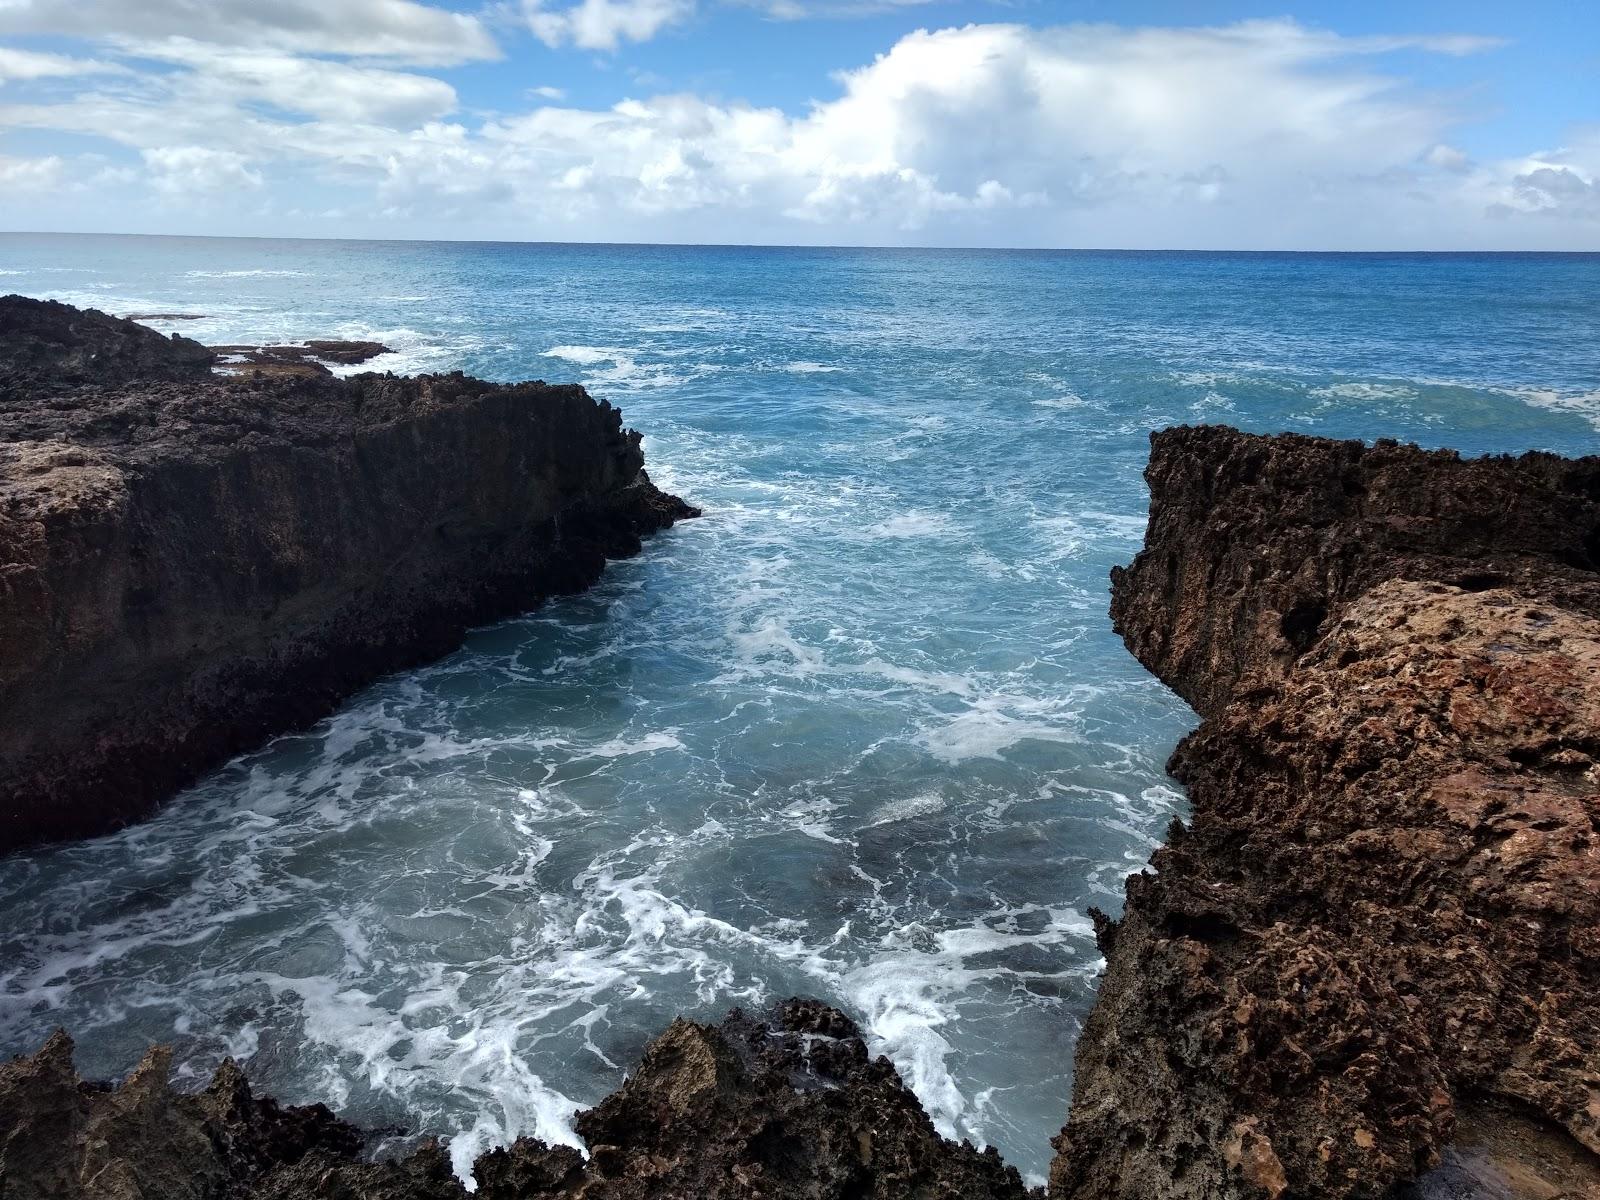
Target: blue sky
x,y
1029,122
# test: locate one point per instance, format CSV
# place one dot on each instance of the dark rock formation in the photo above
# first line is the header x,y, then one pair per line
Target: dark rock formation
x,y
1384,918
793,1108
60,1137
57,342
189,563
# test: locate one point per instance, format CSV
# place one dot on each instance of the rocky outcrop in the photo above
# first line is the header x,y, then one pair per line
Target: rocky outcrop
x,y
189,563
787,1109
57,342
1383,921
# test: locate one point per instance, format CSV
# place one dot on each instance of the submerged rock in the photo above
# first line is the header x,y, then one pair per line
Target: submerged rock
x,y
788,1109
190,564
305,358
1384,919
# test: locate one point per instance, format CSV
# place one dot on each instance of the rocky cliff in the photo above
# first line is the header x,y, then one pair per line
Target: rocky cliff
x,y
787,1109
191,563
1383,921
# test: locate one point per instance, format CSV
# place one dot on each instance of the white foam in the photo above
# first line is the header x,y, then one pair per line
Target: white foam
x,y
809,368
906,998
992,725
925,804
1365,390
913,524
464,903
1203,379
648,744
946,682
253,272
770,640
1585,404
1069,401
583,355
411,351
624,370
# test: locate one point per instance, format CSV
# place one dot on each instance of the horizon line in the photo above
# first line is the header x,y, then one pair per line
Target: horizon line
x,y
424,241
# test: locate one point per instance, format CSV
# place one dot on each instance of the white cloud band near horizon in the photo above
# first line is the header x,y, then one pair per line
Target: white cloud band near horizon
x,y
290,116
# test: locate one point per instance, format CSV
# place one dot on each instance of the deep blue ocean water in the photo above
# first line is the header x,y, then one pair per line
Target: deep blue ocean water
x,y
862,732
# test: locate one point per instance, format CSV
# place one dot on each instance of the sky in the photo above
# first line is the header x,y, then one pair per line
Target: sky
x,y
1063,123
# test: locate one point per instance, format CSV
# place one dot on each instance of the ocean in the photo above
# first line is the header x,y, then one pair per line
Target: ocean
x,y
863,732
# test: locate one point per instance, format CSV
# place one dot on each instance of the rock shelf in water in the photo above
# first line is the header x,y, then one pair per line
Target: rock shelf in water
x,y
190,564
305,358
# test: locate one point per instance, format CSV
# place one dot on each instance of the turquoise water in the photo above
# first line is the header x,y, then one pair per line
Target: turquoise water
x,y
862,732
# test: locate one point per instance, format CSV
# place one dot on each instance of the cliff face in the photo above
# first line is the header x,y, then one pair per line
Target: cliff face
x,y
793,1109
1384,917
189,564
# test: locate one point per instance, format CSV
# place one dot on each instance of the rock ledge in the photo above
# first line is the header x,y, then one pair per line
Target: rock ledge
x,y
190,564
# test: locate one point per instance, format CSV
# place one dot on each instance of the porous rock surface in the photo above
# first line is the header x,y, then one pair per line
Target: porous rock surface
x,y
190,563
788,1109
1384,916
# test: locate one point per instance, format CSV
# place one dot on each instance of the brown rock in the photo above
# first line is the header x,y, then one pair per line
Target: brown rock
x,y
190,564
61,1138
1385,906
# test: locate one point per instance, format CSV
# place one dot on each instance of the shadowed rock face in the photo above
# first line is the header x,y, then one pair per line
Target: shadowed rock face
x,y
791,1108
190,564
1384,918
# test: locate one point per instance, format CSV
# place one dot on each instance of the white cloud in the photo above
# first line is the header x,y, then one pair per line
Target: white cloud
x,y
1563,184
604,24
313,86
29,64
184,171
1552,189
799,10
1447,158
29,174
1263,133
985,117
401,29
